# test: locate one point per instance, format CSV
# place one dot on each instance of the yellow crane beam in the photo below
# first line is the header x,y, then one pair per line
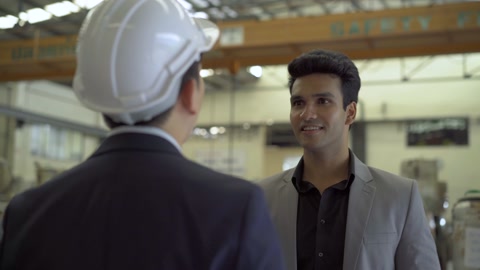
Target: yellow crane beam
x,y
415,31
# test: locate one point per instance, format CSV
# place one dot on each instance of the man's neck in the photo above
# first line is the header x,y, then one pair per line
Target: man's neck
x,y
325,169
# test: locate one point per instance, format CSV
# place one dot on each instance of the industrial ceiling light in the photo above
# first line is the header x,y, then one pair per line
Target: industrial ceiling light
x,y
61,9
200,3
185,4
88,4
206,72
200,14
35,15
8,21
256,71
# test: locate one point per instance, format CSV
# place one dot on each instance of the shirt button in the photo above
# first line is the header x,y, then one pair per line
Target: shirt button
x,y
320,254
322,221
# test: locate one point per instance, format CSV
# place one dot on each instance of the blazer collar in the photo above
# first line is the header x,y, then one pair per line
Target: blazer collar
x,y
136,142
287,176
362,194
361,170
284,215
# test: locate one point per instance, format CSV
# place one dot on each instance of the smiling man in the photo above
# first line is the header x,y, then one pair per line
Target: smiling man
x,y
332,211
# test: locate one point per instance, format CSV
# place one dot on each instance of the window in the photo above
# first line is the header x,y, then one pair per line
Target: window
x,y
56,143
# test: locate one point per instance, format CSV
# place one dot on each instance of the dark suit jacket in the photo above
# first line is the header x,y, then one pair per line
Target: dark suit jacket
x,y
137,203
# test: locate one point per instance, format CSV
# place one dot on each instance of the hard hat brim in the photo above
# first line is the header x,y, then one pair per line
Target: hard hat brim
x,y
210,30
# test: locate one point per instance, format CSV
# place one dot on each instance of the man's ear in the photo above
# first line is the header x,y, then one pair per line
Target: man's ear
x,y
351,113
190,96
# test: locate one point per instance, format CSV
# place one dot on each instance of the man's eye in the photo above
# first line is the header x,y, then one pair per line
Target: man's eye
x,y
323,101
296,103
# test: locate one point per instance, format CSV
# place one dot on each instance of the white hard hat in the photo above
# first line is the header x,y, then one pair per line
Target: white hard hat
x,y
132,54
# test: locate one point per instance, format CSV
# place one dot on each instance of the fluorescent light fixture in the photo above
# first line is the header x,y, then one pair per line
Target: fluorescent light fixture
x,y
217,13
443,222
200,132
432,224
8,21
200,3
23,16
185,4
256,71
214,130
88,4
200,14
61,9
232,13
206,72
35,15
215,2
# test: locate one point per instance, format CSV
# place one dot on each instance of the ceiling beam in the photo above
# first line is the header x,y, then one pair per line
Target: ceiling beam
x,y
324,6
418,31
385,4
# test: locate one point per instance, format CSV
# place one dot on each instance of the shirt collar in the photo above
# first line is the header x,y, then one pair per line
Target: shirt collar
x,y
303,186
146,130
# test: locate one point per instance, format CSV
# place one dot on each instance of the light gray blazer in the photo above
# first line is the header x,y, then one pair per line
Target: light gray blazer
x,y
386,223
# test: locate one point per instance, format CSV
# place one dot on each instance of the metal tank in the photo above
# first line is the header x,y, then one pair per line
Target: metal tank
x,y
466,232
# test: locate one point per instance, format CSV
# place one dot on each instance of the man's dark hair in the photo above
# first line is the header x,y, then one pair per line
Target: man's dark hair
x,y
328,62
191,73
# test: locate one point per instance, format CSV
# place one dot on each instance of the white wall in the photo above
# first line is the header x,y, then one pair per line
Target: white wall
x,y
55,100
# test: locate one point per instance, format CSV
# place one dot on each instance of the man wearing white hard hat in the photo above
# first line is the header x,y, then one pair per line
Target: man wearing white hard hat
x,y
137,202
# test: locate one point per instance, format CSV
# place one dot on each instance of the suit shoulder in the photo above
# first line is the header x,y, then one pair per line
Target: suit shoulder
x,y
392,180
276,179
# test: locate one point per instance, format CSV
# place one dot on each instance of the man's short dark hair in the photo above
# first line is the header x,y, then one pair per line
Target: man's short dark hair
x,y
192,72
328,62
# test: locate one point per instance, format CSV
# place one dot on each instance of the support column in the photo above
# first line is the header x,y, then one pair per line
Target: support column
x,y
359,140
7,141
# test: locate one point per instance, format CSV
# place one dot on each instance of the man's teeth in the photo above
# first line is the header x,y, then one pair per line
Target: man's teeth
x,y
311,128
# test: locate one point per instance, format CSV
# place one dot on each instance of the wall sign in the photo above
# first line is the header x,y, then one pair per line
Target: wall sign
x,y
438,132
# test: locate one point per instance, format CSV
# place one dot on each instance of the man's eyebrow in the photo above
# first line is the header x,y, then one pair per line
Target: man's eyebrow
x,y
295,97
326,94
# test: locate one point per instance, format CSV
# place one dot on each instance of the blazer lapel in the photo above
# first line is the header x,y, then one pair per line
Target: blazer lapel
x,y
285,216
362,193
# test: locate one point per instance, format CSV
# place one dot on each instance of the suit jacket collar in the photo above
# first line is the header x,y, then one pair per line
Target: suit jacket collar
x,y
361,170
360,203
284,215
136,142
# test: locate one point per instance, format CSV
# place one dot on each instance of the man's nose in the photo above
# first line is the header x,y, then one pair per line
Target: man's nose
x,y
309,112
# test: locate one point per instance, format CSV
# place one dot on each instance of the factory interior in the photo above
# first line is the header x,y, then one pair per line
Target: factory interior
x,y
418,111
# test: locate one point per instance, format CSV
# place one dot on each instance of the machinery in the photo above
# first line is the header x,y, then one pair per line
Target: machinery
x,y
434,197
466,232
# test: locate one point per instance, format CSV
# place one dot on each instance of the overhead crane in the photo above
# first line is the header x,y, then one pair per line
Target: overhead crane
x,y
414,31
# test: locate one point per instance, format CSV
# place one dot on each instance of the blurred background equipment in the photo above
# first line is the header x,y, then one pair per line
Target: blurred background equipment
x,y
10,185
434,196
45,173
466,232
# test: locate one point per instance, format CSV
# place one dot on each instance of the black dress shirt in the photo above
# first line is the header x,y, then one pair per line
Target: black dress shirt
x,y
321,221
